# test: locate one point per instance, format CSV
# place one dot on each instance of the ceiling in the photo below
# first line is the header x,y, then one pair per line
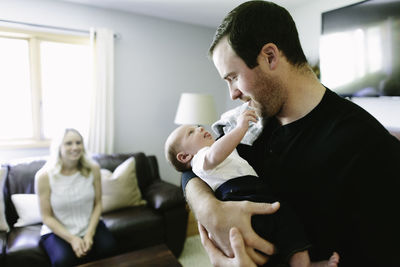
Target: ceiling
x,y
200,12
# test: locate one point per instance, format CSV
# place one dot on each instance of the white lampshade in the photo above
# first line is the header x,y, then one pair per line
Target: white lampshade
x,y
198,109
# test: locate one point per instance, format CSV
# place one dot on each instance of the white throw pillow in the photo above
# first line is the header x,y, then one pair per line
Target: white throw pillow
x,y
120,189
27,206
3,221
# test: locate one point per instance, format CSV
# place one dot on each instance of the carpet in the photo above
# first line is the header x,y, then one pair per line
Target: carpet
x,y
193,254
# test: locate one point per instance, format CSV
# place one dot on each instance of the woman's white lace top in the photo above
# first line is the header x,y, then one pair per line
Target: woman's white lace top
x,y
72,200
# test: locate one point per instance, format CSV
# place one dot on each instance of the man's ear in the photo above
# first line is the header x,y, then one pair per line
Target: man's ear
x,y
183,157
270,54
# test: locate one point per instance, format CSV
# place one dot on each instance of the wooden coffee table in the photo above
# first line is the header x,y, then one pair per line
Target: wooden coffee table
x,y
158,256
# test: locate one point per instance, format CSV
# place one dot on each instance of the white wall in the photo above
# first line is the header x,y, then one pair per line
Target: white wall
x,y
155,61
308,21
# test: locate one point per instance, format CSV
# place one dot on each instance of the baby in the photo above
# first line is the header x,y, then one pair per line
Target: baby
x,y
232,178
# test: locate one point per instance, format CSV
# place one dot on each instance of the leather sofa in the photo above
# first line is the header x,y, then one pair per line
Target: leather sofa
x,y
162,220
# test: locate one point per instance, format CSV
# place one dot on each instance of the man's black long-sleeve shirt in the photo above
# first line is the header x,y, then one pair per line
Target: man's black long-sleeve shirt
x,y
339,169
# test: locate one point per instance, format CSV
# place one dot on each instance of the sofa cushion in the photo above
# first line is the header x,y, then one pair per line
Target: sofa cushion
x,y
23,247
27,206
20,180
111,162
120,188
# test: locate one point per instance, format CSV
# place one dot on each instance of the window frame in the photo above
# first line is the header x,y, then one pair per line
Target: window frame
x,y
34,38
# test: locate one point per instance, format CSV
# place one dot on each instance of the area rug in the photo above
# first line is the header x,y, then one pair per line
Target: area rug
x,y
193,254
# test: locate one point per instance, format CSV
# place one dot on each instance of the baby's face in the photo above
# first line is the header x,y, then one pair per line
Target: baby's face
x,y
193,138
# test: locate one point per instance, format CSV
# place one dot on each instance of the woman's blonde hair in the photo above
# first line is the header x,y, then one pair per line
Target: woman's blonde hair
x,y
54,164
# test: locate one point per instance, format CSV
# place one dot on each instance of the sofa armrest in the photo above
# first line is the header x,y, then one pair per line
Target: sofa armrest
x,y
162,195
3,241
167,199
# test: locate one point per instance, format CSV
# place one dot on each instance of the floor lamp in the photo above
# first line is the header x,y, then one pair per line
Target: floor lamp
x,y
196,109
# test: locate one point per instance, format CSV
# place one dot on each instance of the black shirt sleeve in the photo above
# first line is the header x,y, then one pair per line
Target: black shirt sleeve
x,y
186,176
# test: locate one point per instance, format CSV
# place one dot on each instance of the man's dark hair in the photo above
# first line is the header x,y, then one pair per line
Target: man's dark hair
x,y
253,24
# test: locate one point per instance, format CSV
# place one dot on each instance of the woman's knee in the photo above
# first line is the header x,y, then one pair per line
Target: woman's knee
x,y
59,252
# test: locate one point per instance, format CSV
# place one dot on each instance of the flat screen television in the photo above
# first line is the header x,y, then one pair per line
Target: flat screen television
x,y
360,49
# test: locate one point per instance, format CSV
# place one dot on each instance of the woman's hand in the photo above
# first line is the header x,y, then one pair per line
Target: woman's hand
x,y
240,257
88,242
78,246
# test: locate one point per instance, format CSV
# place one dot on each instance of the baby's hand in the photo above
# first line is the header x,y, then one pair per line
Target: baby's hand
x,y
247,116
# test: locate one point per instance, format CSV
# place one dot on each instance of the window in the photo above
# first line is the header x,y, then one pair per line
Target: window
x,y
45,85
352,55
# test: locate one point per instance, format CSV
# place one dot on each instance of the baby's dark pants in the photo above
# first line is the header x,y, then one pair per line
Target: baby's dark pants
x,y
282,228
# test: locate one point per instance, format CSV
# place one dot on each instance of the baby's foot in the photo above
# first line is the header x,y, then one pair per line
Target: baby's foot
x,y
333,260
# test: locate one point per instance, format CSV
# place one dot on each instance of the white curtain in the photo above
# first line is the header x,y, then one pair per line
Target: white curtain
x,y
101,126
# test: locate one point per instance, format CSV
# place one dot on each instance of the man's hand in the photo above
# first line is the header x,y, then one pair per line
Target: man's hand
x,y
240,256
218,217
228,214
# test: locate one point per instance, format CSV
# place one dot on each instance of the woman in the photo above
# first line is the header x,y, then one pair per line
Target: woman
x,y
69,190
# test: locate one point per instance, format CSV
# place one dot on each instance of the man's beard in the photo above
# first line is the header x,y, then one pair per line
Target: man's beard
x,y
269,97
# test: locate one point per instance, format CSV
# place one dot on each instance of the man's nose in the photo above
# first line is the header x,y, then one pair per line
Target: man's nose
x,y
200,129
234,93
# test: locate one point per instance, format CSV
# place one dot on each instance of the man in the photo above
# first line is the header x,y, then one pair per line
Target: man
x,y
329,159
